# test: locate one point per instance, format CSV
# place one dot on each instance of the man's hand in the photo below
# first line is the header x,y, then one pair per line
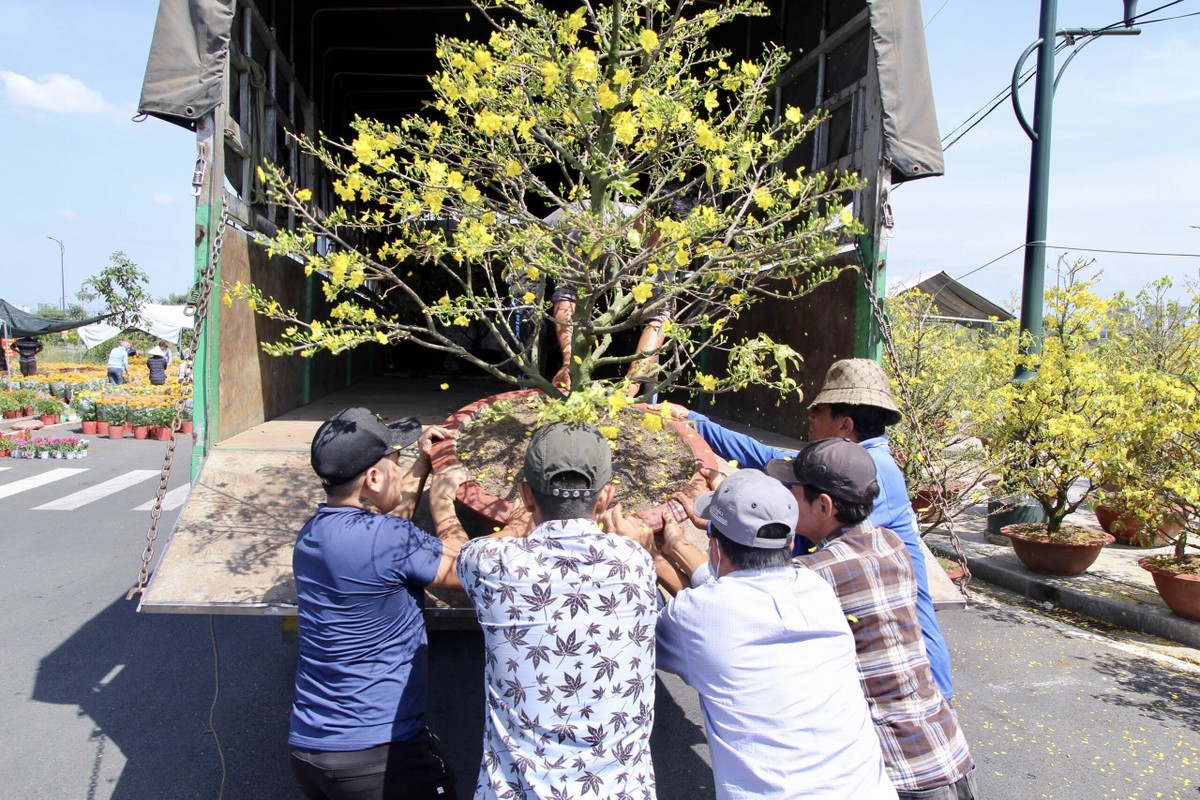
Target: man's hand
x,y
678,548
444,487
614,521
706,480
673,410
562,378
434,433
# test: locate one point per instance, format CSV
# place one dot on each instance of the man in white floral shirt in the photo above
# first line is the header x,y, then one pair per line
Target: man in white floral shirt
x,y
568,617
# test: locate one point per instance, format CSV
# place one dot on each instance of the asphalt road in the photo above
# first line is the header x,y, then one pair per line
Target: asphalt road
x,y
98,701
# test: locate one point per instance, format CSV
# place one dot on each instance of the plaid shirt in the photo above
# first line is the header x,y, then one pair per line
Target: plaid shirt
x,y
870,571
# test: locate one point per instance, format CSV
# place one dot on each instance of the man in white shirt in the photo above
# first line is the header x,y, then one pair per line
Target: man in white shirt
x,y
768,649
567,614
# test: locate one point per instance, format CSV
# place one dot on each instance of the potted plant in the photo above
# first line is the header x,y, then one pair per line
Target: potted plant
x,y
47,408
116,415
1052,429
25,399
5,446
610,150
942,373
9,405
86,406
140,417
162,418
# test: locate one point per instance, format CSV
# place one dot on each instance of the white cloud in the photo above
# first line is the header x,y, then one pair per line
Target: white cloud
x,y
164,198
65,213
55,93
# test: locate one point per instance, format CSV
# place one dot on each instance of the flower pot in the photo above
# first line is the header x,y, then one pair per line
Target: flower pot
x,y
12,414
1181,593
27,411
44,455
47,419
185,426
141,431
116,431
101,428
89,426
1127,528
494,511
924,500
161,433
1056,558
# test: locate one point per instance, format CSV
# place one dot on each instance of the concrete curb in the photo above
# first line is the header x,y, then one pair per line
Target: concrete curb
x,y
1123,604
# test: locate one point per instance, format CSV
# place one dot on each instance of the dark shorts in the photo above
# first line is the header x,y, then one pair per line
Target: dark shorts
x,y
410,770
28,367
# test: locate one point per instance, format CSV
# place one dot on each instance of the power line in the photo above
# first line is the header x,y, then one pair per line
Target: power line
x,y
988,264
1123,252
931,19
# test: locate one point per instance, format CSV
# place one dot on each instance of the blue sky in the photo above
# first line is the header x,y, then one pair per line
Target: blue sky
x,y
1125,164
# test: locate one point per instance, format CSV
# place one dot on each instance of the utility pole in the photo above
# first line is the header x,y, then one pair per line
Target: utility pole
x,y
1033,286
62,267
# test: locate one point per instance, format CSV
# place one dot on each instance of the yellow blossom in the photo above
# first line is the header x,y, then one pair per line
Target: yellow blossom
x,y
622,77
226,300
550,76
529,297
847,216
617,401
488,122
763,199
304,195
624,127
461,321
707,382
652,423
532,273
381,337
710,99
587,66
735,299
512,169
609,431
648,39
607,97
793,115
642,292
471,194
444,386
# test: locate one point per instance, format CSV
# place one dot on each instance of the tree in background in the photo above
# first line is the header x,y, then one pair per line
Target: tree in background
x,y
612,150
122,287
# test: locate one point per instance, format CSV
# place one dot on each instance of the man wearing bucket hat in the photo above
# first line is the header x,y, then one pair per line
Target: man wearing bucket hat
x,y
738,641
855,403
834,484
567,613
361,568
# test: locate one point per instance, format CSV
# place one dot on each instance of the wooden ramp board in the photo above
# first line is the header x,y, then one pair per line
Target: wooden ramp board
x,y
231,549
945,592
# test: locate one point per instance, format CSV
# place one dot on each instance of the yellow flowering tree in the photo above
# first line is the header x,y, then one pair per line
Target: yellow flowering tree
x,y
610,150
944,377
1055,430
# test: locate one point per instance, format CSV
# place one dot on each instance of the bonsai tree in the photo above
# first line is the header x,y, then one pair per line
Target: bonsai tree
x,y
611,150
943,374
1053,431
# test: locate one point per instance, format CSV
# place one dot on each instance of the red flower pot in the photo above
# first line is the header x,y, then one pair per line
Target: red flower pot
x,y
161,433
47,419
1181,593
1127,528
102,428
89,426
495,511
185,426
12,414
1055,558
141,431
116,431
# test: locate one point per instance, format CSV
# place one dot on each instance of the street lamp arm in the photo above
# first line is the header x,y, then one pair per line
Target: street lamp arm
x,y
1016,91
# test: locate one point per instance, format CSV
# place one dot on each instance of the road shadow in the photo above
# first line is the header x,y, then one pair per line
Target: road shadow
x,y
1154,692
147,681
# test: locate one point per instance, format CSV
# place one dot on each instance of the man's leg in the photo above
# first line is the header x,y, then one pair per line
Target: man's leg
x,y
563,313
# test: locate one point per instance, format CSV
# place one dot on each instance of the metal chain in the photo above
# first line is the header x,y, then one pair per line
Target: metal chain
x,y
185,379
941,505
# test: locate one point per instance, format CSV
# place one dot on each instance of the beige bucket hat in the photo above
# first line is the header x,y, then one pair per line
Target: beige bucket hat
x,y
859,382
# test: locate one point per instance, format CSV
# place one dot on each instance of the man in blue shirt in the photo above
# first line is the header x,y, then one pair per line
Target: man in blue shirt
x,y
118,362
361,568
856,403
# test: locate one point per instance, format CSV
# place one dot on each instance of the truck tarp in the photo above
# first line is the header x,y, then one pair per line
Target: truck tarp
x,y
189,54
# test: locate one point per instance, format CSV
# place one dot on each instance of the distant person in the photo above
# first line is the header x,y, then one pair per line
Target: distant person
x,y
835,485
771,654
567,613
157,361
358,727
118,362
27,349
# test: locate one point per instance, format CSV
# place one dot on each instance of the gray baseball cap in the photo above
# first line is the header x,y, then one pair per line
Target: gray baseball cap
x,y
744,503
568,447
837,467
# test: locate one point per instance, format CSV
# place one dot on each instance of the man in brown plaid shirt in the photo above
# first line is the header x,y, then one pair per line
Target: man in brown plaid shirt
x,y
924,750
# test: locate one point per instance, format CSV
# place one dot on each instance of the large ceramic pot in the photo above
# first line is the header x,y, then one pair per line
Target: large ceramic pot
x,y
1056,558
495,511
1126,527
1181,593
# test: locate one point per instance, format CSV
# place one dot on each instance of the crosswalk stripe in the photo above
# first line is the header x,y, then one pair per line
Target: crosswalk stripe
x,y
92,493
171,500
34,481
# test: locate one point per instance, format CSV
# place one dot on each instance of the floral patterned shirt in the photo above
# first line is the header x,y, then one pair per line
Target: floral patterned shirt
x,y
568,619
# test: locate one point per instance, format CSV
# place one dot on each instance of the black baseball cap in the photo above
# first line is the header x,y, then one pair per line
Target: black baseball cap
x,y
353,439
568,447
837,467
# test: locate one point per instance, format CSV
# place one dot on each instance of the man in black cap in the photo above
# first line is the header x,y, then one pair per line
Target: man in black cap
x,y
568,615
835,485
361,568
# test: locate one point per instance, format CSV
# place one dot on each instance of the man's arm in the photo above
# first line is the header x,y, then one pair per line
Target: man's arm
x,y
730,445
563,312
442,491
413,484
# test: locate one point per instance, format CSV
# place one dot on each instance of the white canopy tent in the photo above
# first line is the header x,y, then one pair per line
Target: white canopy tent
x,y
162,322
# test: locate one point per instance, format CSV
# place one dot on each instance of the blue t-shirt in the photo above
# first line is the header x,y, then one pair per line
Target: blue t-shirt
x,y
362,671
893,510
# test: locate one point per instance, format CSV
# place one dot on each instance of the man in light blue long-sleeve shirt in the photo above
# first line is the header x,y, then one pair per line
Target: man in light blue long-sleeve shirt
x,y
118,363
856,403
